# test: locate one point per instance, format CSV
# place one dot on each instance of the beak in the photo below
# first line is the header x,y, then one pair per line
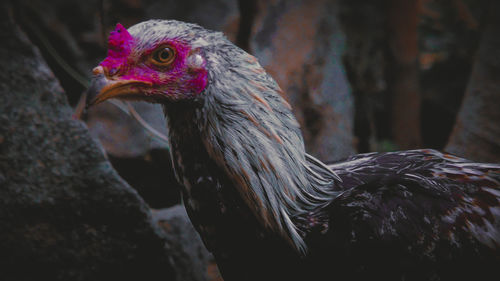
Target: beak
x,y
101,88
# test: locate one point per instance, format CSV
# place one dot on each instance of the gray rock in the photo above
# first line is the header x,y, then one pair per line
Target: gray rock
x,y
65,214
476,134
122,135
300,44
192,259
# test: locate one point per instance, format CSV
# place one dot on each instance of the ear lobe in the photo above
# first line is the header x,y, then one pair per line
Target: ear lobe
x,y
195,60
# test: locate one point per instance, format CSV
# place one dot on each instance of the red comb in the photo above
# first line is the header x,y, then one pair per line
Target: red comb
x,y
119,42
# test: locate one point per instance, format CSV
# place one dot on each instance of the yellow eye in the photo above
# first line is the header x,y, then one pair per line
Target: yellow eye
x,y
163,56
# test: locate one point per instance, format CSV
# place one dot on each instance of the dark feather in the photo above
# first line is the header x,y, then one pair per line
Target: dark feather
x,y
416,215
269,211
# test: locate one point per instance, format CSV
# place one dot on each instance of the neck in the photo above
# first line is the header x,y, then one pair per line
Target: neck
x,y
248,130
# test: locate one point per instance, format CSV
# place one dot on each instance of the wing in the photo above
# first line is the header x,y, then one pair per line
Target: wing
x,y
417,215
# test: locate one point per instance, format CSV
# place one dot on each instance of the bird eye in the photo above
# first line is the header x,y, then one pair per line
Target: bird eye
x,y
163,56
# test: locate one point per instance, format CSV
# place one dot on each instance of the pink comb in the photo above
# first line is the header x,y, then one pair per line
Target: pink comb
x,y
119,42
119,47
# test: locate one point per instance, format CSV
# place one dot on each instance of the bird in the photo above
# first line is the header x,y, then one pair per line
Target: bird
x,y
265,208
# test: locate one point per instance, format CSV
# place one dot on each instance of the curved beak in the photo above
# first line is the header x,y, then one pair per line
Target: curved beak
x,y
101,88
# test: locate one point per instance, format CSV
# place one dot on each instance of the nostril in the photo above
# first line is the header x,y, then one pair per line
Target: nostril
x,y
113,71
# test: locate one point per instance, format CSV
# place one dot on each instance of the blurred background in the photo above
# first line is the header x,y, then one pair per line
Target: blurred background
x,y
361,75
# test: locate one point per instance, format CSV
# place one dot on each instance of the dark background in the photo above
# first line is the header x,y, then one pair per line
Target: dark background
x,y
361,75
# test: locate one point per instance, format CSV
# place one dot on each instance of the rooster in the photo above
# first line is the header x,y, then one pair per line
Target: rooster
x,y
269,211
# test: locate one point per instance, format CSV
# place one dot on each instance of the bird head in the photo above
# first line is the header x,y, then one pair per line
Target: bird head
x,y
239,117
155,61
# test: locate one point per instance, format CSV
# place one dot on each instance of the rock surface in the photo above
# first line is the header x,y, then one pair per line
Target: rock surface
x,y
476,134
123,136
300,44
65,214
192,259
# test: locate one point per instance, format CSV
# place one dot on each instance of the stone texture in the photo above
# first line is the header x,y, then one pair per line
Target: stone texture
x,y
65,214
191,258
449,33
476,134
300,44
123,136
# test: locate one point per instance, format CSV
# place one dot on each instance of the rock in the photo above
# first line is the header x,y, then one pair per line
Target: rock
x,y
123,136
65,214
476,134
449,35
300,44
151,175
192,260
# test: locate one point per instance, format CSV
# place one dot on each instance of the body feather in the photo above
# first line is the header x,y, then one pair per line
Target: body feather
x,y
269,211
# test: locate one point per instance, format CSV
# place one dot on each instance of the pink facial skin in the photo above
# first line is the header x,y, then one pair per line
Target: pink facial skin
x,y
178,79
120,44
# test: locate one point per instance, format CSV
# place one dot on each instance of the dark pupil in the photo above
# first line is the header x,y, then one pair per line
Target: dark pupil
x,y
164,54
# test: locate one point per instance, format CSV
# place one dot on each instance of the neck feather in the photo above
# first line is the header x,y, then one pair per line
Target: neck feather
x,y
248,129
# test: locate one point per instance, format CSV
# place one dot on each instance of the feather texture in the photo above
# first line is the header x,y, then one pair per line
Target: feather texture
x,y
269,211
